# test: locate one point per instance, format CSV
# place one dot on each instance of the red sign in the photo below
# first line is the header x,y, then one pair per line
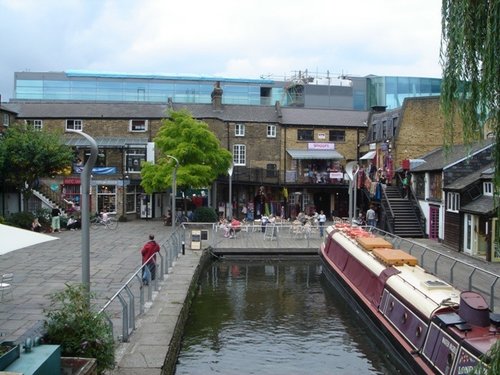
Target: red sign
x,y
71,181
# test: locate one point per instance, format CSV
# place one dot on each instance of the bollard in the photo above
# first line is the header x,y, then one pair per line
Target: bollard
x,y
183,248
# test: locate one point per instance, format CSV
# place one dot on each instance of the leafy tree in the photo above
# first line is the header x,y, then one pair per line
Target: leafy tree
x,y
470,51
27,154
201,158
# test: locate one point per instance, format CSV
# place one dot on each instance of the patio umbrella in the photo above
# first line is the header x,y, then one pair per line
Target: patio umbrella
x,y
12,238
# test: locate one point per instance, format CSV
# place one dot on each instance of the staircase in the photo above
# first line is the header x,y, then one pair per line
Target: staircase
x,y
402,214
49,197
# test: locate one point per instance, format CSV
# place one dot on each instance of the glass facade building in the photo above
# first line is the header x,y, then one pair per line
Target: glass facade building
x,y
362,94
390,92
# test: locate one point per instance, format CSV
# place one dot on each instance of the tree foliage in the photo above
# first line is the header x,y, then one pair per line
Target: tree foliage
x,y
80,331
27,154
201,158
470,56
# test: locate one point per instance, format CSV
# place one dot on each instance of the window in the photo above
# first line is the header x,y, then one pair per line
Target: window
x,y
74,125
271,131
101,158
488,188
305,135
134,158
420,186
395,121
337,136
106,198
435,186
6,119
452,202
138,125
37,124
239,155
131,199
271,170
239,130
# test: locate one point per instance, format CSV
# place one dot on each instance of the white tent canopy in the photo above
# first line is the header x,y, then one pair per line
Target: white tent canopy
x,y
12,238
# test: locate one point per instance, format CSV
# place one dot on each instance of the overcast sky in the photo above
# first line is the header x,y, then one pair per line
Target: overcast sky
x,y
228,38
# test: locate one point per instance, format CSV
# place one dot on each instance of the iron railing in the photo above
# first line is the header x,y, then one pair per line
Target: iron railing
x,y
130,301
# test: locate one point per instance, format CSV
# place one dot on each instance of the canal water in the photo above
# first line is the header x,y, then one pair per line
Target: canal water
x,y
275,317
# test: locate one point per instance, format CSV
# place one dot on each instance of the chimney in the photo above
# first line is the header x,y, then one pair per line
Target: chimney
x,y
217,97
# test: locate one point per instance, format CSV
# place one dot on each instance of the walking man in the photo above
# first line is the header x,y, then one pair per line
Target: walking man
x,y
148,251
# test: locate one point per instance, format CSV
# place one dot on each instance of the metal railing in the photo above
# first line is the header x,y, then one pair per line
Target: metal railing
x,y
130,301
459,273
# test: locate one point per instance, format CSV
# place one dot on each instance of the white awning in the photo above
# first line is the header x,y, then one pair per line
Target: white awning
x,y
368,156
315,154
15,238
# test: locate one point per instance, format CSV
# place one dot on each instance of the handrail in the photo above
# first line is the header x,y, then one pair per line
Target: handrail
x,y
169,251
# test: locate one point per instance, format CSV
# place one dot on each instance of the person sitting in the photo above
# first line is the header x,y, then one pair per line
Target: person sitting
x,y
73,224
234,227
302,217
224,225
36,226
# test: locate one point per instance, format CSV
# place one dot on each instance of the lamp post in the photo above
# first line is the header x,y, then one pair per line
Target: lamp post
x,y
230,207
84,208
174,187
352,169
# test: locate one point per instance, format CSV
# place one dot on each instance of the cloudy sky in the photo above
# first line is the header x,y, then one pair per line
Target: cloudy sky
x,y
229,38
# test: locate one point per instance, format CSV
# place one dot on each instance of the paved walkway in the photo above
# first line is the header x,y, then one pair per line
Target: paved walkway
x,y
42,269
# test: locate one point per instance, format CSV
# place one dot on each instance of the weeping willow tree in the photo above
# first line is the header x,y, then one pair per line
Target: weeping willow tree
x,y
470,57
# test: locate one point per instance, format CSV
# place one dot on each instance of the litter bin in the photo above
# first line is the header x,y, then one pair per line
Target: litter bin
x,y
195,239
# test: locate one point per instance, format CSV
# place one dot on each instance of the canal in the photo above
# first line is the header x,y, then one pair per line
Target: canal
x,y
276,317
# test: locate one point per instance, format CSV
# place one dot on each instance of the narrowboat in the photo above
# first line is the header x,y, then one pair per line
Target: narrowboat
x,y
436,328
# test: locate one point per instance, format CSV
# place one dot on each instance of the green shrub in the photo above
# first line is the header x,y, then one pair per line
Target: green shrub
x,y
205,215
20,220
2,220
79,330
44,216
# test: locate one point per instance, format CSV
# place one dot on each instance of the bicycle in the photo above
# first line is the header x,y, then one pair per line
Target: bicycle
x,y
108,223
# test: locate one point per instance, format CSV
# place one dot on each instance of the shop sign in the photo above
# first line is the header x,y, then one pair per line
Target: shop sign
x,y
321,146
72,181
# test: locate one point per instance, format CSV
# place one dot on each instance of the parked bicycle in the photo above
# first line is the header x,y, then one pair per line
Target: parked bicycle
x,y
108,223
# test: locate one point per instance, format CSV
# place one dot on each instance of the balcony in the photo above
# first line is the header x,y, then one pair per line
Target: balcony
x,y
261,176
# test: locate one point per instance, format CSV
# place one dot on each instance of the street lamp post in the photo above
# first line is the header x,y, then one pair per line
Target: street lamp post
x,y
230,207
174,188
352,169
85,208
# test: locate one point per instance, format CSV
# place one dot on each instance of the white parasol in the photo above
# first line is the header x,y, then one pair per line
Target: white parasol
x,y
12,238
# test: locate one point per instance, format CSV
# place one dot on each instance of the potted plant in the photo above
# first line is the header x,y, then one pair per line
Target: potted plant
x,y
9,352
80,331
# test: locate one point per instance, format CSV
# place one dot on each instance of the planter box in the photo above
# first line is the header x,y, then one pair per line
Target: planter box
x,y
7,358
78,366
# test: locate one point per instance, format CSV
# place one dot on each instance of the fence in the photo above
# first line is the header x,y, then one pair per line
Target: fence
x,y
459,273
132,299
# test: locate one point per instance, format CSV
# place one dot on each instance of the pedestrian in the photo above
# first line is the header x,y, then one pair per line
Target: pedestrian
x,y
322,221
371,217
148,253
56,219
36,226
73,224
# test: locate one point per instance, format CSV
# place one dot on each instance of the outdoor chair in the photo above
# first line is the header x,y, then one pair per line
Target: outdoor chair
x,y
6,285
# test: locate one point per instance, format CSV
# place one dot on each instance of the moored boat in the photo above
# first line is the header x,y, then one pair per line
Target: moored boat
x,y
436,328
